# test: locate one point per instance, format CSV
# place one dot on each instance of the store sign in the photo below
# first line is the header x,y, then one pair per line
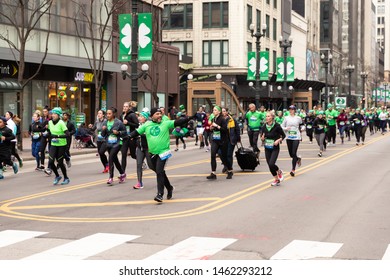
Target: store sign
x,y
8,70
84,77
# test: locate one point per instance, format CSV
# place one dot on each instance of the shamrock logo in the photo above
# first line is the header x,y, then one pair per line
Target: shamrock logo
x,y
263,64
252,65
126,40
155,131
143,38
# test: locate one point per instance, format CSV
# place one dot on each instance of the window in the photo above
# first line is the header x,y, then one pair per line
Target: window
x,y
215,14
177,16
274,60
274,28
268,1
215,53
275,4
185,47
249,46
258,19
249,15
267,21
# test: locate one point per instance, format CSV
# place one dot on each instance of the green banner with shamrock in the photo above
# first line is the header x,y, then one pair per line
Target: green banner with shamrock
x,y
251,66
145,36
125,22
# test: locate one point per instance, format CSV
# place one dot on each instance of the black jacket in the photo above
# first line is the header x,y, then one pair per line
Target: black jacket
x,y
132,120
223,130
35,130
316,125
118,125
275,133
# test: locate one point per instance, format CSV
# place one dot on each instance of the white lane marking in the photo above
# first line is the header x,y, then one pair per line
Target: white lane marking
x,y
193,248
303,250
386,256
8,237
84,247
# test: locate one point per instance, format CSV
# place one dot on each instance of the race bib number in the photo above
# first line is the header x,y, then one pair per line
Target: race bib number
x,y
100,137
253,119
357,122
348,122
309,126
199,124
36,135
166,155
292,134
269,144
112,139
55,140
342,123
217,135
320,126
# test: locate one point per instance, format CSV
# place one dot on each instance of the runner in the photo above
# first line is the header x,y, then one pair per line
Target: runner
x,y
44,140
254,120
234,136
272,135
371,120
141,151
157,135
357,120
348,127
279,118
72,130
57,134
342,125
207,132
112,131
11,125
309,119
98,126
383,120
130,120
164,116
291,125
199,118
319,126
180,132
35,131
331,116
220,142
6,136
365,121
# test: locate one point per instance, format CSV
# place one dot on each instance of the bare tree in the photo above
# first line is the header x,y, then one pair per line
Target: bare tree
x,y
23,18
97,36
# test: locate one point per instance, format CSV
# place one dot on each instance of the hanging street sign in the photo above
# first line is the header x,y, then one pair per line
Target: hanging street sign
x,y
341,102
145,37
264,65
251,66
125,22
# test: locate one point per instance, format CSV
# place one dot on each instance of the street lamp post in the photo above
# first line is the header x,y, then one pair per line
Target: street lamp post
x,y
376,92
257,35
385,85
350,69
325,62
134,77
285,44
134,51
364,76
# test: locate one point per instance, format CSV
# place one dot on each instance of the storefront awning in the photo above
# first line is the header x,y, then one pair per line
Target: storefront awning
x,y
7,85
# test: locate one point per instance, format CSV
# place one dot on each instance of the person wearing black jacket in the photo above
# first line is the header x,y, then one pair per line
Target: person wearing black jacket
x,y
234,135
272,135
309,119
113,131
35,131
357,119
319,126
72,131
44,139
142,150
6,135
218,126
130,120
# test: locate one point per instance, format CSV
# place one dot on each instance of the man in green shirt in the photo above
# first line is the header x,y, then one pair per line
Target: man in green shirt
x,y
157,136
254,121
331,117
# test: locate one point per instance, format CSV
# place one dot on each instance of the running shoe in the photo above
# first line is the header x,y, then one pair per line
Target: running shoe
x,y
138,186
47,171
224,170
122,178
158,198
275,183
292,173
41,168
362,143
176,149
106,169
57,180
229,175
110,181
299,162
280,175
66,181
21,163
184,146
37,169
170,192
357,144
144,166
15,168
212,176
320,154
1,176
68,164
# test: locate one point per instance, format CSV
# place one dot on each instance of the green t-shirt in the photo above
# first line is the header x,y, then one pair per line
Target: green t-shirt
x,y
262,116
331,117
58,129
157,135
165,118
254,120
279,120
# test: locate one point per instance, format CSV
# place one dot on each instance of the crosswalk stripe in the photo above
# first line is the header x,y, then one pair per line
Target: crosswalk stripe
x,y
193,248
303,250
84,247
386,256
9,237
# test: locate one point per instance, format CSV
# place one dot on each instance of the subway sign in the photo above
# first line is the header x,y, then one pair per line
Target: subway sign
x,y
8,70
84,77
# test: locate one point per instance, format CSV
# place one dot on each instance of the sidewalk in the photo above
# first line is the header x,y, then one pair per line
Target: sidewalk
x,y
27,156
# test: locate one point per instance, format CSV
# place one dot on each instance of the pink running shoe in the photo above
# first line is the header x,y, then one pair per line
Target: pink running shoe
x,y
122,178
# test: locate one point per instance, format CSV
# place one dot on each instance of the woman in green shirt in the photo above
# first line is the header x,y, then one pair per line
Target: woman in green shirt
x,y
57,135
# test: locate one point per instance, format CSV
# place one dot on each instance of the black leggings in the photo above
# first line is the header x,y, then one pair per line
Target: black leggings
x,y
157,165
102,153
57,153
271,155
331,134
14,152
309,133
215,146
292,146
181,139
42,150
253,139
206,137
67,152
112,157
358,132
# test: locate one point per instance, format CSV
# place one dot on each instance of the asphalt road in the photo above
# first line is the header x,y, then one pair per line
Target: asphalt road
x,y
337,207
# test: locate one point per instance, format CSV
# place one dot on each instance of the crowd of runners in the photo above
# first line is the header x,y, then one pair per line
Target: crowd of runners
x,y
145,136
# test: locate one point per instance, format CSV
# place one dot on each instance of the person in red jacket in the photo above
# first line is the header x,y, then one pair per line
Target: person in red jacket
x,y
342,124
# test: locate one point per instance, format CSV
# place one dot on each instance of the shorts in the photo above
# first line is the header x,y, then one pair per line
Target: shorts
x,y
199,130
